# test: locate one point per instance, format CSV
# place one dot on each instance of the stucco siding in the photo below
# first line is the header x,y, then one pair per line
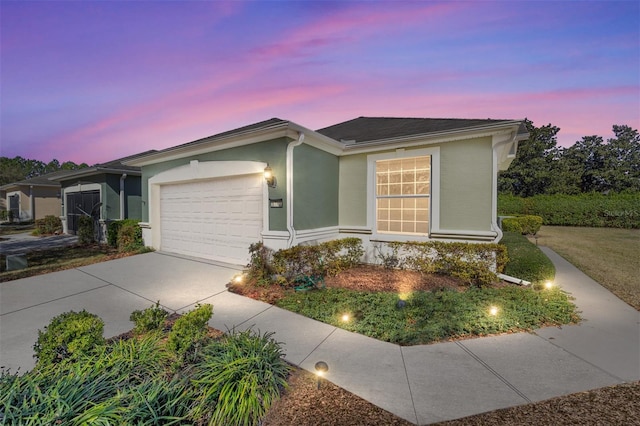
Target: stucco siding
x,y
315,188
353,190
133,197
272,152
47,205
466,185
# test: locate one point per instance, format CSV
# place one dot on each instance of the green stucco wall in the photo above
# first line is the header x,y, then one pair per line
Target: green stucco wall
x,y
353,190
272,152
465,185
133,197
315,188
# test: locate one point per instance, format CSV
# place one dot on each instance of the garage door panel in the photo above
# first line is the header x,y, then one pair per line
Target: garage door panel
x,y
215,219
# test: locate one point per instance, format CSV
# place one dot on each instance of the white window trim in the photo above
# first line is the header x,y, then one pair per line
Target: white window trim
x,y
434,204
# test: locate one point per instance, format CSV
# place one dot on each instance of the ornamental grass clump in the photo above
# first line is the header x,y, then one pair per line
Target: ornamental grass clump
x,y
240,377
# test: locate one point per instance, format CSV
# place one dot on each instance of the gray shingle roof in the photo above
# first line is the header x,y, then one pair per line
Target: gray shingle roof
x,y
366,129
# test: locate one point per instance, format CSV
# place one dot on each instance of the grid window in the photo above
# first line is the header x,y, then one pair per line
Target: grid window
x,y
402,195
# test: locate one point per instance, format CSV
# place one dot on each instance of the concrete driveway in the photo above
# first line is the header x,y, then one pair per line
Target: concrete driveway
x,y
422,384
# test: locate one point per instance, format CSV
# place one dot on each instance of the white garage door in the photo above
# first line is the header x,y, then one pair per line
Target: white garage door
x,y
214,219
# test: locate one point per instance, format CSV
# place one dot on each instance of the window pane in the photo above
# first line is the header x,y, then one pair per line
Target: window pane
x,y
408,227
405,184
408,189
395,189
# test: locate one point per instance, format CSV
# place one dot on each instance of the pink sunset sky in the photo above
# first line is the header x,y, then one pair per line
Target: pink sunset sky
x,y
98,80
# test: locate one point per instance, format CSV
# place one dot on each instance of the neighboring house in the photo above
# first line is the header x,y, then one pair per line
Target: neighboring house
x,y
107,192
34,198
381,179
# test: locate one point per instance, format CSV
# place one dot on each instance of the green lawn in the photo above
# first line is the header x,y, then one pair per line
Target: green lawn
x,y
610,256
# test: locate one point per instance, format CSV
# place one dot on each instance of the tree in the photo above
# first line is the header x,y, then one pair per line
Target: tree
x,y
536,164
18,168
590,165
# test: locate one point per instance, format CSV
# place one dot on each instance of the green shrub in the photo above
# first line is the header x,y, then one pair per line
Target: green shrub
x,y
189,331
128,235
594,210
475,264
240,377
48,225
526,261
525,225
86,232
150,319
259,266
328,258
67,336
4,215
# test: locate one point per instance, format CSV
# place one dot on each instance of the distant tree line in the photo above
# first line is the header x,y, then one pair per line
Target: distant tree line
x,y
18,168
590,165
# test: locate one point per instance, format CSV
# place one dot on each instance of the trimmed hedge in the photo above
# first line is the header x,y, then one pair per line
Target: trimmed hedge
x,y
526,260
594,210
475,264
525,225
284,266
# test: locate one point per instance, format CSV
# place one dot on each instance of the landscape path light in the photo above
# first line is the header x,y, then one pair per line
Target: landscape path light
x,y
321,369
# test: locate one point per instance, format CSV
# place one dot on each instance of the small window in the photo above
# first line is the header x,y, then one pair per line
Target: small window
x,y
402,195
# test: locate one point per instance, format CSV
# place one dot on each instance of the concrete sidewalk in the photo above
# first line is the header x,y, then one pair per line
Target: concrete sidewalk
x,y
422,384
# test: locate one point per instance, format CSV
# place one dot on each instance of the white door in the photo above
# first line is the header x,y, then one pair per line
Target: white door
x,y
214,219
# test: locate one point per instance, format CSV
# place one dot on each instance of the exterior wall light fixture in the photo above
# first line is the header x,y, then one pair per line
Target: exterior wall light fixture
x,y
270,177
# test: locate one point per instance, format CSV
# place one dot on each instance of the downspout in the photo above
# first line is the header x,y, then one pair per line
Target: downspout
x,y
289,171
122,178
32,204
494,186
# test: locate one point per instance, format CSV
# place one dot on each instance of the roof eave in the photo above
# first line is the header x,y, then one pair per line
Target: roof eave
x,y
285,129
434,137
95,171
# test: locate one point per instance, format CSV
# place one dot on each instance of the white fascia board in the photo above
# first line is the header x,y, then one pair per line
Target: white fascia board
x,y
95,171
432,138
317,140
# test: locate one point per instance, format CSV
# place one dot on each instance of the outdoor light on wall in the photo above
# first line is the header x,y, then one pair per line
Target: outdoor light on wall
x,y
270,177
